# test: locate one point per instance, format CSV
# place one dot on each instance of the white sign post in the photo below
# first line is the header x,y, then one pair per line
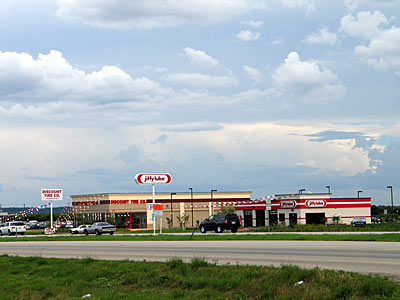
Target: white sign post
x,y
50,195
153,179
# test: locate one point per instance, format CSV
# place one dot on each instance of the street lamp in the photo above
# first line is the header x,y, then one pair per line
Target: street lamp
x,y
301,191
172,214
391,194
329,189
212,210
358,193
191,197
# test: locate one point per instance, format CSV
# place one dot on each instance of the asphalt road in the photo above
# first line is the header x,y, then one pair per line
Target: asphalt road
x,y
363,257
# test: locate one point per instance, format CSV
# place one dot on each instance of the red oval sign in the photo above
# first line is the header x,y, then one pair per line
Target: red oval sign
x,y
315,203
288,204
153,178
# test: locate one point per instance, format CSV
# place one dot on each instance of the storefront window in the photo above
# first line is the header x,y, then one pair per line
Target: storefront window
x,y
131,220
139,220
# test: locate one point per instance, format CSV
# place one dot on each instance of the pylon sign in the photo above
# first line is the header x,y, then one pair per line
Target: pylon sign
x,y
153,178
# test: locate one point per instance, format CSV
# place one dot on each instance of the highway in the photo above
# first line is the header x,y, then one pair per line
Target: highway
x,y
363,257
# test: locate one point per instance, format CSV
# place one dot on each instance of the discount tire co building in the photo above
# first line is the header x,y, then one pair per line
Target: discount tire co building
x,y
130,210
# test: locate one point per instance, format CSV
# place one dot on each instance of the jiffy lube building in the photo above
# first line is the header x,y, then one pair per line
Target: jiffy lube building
x,y
308,208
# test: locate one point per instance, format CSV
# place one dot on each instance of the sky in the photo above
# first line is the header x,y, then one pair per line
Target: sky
x,y
265,96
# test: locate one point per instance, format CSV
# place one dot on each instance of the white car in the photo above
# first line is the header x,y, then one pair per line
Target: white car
x,y
79,229
12,228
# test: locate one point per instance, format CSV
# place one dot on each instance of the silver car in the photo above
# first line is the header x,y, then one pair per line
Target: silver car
x,y
100,228
79,229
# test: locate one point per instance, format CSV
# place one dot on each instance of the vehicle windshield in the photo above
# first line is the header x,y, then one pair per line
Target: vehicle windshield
x,y
18,224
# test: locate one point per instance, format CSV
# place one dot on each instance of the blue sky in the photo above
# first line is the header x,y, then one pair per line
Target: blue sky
x,y
246,95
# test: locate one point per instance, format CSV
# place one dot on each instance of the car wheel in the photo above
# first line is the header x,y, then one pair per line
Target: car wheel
x,y
219,229
9,232
203,229
86,232
1,233
97,232
234,229
111,232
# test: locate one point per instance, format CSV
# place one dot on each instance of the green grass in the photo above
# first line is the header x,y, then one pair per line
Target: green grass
x,y
330,228
38,278
387,237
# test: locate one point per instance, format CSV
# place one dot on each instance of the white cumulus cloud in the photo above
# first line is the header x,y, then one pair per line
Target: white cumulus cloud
x,y
364,24
382,50
247,35
306,80
151,14
309,4
200,58
323,36
51,77
252,23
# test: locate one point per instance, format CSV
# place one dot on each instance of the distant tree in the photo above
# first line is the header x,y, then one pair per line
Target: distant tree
x,y
227,209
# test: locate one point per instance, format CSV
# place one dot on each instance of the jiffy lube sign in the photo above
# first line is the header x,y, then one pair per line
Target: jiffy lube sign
x,y
153,178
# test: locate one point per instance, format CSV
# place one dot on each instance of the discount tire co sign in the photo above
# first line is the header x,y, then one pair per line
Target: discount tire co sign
x,y
153,178
52,194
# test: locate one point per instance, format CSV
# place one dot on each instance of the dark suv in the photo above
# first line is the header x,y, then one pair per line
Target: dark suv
x,y
220,222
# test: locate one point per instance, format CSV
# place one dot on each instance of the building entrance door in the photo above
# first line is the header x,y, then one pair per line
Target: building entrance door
x,y
248,218
273,217
260,218
292,218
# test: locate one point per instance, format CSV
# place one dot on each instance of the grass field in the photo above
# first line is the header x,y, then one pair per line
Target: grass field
x,y
387,237
38,278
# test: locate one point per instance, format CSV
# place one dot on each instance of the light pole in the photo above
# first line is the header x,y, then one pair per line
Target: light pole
x,y
212,210
329,189
358,193
301,191
191,198
172,214
391,194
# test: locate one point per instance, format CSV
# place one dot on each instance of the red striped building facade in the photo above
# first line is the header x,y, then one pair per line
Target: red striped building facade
x,y
308,208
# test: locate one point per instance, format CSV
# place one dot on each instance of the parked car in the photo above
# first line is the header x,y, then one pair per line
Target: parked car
x,y
33,224
12,228
69,224
220,222
100,228
359,222
79,229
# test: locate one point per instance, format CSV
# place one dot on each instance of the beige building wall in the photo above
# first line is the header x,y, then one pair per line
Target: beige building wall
x,y
181,204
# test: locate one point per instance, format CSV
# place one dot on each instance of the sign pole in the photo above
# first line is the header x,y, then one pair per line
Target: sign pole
x,y
51,214
154,201
153,179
